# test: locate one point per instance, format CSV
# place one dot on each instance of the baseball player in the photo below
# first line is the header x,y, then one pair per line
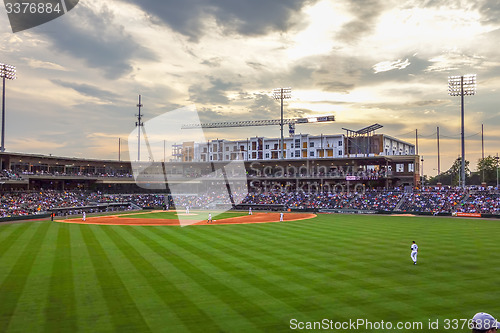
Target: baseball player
x,y
414,252
209,218
484,323
281,217
250,211
84,216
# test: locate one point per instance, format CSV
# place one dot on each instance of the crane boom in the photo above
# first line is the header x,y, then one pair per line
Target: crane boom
x,y
245,123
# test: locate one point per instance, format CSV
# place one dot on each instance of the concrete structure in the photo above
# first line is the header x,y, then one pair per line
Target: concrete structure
x,y
297,147
321,162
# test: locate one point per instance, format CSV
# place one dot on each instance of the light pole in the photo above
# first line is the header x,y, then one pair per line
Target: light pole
x,y
461,86
7,72
281,94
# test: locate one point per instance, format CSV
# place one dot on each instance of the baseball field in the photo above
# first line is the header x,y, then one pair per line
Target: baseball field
x,y
328,271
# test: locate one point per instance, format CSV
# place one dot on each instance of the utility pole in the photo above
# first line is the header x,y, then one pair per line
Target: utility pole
x,y
139,124
439,156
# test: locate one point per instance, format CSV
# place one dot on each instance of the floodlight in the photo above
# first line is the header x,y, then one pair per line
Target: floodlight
x,y
281,94
464,85
7,72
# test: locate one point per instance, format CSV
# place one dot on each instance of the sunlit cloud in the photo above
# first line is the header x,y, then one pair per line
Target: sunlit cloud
x,y
385,66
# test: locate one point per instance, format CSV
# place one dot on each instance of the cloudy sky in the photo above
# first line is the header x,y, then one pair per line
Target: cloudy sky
x,y
365,61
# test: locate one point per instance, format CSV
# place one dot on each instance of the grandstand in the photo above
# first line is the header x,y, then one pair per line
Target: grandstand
x,y
323,162
316,179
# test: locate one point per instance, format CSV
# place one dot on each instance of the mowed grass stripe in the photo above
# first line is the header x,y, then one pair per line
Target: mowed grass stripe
x,y
152,308
176,264
268,272
29,313
269,250
92,313
272,263
122,309
165,262
251,314
245,279
60,313
11,238
255,270
304,258
12,246
172,296
14,284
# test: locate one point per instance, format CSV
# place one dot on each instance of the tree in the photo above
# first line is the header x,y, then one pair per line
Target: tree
x,y
487,168
452,175
454,171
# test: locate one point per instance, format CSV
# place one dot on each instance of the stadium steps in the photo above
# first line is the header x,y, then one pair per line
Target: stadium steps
x,y
134,206
352,201
400,203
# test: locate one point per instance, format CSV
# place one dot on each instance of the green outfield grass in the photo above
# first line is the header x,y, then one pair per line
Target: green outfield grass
x,y
57,277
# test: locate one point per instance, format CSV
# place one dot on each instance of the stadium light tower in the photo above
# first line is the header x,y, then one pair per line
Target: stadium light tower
x,y
462,86
281,94
7,72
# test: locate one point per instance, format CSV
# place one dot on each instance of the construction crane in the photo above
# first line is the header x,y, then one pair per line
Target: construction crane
x,y
245,123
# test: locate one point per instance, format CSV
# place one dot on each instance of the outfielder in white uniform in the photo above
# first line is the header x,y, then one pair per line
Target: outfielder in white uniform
x,y
209,218
414,252
250,211
281,217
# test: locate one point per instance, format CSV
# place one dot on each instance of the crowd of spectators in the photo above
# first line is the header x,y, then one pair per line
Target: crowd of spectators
x,y
430,200
376,200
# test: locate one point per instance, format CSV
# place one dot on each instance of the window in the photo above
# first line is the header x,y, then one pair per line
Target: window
x,y
400,167
340,153
291,146
311,153
297,142
227,148
340,143
311,144
267,155
411,167
297,153
267,146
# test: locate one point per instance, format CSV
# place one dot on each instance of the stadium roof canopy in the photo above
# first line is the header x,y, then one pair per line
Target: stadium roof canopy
x,y
363,131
